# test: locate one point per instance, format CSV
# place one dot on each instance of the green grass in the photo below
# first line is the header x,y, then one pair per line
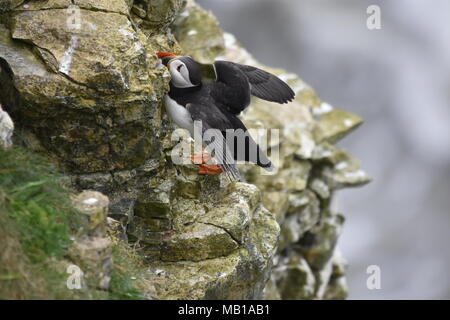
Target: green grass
x,y
37,205
37,223
127,266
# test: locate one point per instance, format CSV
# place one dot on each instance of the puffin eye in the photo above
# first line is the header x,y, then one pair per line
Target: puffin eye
x,y
179,67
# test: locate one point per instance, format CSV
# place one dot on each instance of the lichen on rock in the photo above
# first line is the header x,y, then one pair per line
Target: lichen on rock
x,y
83,84
92,249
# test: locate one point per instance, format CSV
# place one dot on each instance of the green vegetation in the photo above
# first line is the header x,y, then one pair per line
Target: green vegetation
x,y
122,285
37,225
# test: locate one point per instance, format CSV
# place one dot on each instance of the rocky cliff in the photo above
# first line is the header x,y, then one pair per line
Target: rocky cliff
x,y
83,85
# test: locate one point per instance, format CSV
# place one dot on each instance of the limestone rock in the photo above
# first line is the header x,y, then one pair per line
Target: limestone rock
x,y
156,14
337,285
320,188
94,209
294,278
242,274
93,111
233,231
93,256
344,174
197,242
198,33
91,250
318,243
336,124
7,5
118,6
339,169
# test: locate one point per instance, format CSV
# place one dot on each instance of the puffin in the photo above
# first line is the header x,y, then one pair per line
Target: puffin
x,y
215,106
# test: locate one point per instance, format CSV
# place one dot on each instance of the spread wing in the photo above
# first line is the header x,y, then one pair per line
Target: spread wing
x,y
213,123
263,84
267,86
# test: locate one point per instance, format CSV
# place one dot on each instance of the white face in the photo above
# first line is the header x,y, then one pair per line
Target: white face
x,y
180,74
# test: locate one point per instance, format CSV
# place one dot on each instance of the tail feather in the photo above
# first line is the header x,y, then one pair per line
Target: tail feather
x,y
231,171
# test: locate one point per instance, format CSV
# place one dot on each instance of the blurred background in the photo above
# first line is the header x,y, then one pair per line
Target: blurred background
x,y
398,79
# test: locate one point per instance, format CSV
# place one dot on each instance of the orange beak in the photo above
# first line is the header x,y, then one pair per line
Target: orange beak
x,y
162,54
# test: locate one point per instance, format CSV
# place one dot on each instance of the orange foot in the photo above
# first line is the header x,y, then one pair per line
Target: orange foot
x,y
209,169
200,158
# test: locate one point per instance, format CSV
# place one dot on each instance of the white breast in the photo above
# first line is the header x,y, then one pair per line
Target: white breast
x,y
179,115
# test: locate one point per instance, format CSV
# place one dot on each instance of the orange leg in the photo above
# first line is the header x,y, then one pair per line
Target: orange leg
x,y
211,169
200,158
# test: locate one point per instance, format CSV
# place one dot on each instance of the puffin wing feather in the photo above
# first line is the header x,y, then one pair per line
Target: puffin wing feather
x,y
263,84
267,86
214,121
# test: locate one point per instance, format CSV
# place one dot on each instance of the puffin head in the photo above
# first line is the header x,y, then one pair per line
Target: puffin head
x,y
183,69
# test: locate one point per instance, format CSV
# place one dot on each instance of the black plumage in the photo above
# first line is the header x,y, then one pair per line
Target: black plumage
x,y
263,84
216,104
